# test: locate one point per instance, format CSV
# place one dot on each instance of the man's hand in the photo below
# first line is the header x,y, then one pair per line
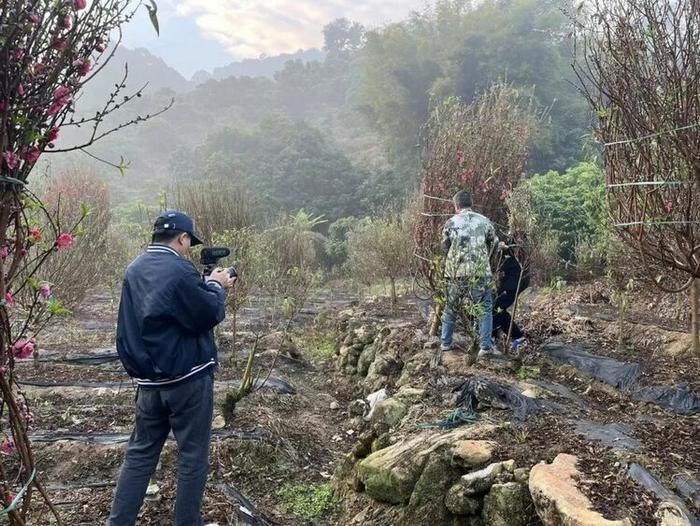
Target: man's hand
x,y
221,276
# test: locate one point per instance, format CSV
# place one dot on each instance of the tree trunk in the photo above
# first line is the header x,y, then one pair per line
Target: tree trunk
x,y
436,320
392,282
233,328
694,321
621,322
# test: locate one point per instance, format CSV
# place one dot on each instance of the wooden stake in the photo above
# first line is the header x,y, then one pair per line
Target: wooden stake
x,y
694,321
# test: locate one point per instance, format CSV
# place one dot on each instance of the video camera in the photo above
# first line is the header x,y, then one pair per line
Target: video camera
x,y
211,256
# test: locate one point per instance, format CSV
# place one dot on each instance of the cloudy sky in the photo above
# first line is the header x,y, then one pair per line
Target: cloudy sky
x,y
203,34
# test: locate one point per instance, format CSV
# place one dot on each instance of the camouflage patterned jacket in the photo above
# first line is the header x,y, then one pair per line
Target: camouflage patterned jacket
x,y
467,238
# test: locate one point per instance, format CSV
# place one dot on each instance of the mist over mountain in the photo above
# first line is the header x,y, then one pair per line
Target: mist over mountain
x,y
344,122
146,68
143,68
265,66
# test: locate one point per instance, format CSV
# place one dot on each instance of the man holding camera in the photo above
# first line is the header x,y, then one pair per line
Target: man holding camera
x,y
165,341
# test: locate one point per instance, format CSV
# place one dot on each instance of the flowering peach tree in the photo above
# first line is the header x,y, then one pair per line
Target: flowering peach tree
x,y
481,147
638,67
49,49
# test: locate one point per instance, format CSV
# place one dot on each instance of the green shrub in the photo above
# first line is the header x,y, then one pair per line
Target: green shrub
x,y
570,205
336,246
308,501
380,248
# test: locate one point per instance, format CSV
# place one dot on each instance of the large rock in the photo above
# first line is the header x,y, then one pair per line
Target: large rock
x,y
412,395
481,481
416,364
459,503
389,412
365,360
468,454
364,335
427,503
509,505
558,501
670,514
465,496
390,474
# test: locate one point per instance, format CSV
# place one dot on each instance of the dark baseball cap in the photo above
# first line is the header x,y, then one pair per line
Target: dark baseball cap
x,y
174,220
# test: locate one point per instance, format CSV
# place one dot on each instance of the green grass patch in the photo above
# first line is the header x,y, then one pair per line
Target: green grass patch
x,y
556,287
307,501
526,373
317,347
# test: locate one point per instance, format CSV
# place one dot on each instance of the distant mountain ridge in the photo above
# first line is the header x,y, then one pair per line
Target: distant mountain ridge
x,y
147,68
144,68
264,66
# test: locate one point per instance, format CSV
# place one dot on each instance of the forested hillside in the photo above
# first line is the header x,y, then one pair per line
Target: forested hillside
x,y
348,125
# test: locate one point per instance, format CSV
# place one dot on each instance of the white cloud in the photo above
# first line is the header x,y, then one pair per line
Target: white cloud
x,y
248,28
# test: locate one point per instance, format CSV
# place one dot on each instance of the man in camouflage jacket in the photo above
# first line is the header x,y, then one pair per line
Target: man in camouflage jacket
x,y
468,239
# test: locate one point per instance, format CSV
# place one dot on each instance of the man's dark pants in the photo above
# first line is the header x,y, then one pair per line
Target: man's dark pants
x,y
506,298
186,409
502,318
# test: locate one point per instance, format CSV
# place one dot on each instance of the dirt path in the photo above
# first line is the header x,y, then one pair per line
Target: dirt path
x,y
280,445
83,404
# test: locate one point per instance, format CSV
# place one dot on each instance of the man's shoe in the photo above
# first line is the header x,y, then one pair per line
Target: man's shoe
x,y
445,347
484,352
517,343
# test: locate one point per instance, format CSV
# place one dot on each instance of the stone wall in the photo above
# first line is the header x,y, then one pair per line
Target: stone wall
x,y
440,478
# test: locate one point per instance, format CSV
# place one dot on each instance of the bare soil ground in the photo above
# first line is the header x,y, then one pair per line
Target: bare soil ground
x,y
301,438
298,438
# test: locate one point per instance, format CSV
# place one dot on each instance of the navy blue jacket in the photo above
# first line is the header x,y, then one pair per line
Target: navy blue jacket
x,y
166,319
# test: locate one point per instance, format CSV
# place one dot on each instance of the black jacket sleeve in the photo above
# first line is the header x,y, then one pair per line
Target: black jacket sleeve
x,y
446,240
199,307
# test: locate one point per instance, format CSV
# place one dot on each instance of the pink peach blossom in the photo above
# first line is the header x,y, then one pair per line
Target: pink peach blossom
x,y
10,159
45,290
23,349
31,154
35,233
64,240
61,92
8,446
83,65
59,44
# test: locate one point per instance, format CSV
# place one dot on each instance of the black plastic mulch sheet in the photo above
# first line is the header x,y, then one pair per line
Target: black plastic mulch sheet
x,y
618,374
479,391
679,399
248,514
688,487
624,375
644,478
615,435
